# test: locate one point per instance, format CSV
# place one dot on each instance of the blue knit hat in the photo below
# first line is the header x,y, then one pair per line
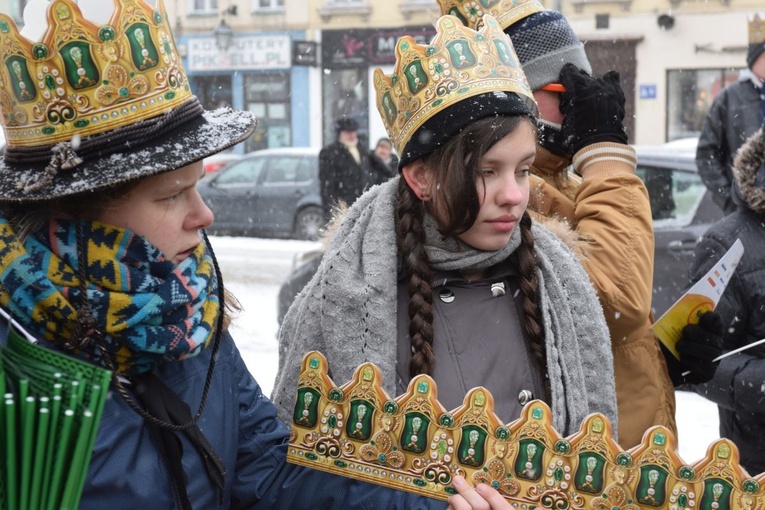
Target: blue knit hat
x,y
545,42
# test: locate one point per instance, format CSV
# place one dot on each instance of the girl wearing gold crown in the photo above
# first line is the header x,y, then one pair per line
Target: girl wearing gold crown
x,y
441,270
103,257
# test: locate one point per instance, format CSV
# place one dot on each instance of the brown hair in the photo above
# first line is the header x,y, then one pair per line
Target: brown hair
x,y
456,167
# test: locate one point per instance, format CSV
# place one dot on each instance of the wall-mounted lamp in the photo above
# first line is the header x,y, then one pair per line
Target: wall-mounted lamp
x,y
666,21
223,35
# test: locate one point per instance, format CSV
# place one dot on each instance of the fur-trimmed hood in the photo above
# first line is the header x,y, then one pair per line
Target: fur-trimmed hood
x,y
749,172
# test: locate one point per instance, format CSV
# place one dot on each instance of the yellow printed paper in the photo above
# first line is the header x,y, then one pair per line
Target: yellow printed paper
x,y
701,298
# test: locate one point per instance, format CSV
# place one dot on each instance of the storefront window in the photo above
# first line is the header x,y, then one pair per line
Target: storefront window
x,y
690,93
345,95
213,91
268,97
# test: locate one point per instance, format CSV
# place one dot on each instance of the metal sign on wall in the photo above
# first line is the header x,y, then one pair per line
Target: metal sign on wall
x,y
360,48
245,53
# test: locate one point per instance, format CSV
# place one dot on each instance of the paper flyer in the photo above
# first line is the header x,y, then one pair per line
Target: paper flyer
x,y
701,298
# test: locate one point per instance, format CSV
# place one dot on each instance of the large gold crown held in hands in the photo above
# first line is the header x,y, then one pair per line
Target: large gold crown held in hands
x,y
457,64
506,12
412,443
83,79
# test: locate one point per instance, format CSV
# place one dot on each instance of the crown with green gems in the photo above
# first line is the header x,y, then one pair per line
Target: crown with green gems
x,y
457,64
506,12
85,79
756,29
412,443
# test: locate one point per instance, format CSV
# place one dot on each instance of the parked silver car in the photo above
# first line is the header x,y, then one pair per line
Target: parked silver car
x,y
272,192
681,207
682,210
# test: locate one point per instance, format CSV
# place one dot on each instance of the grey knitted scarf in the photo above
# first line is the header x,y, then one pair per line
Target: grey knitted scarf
x,y
348,312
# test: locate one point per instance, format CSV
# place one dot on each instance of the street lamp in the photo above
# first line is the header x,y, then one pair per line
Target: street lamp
x,y
223,35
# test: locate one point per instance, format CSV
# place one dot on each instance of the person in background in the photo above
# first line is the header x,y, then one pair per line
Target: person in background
x,y
737,112
103,257
442,271
345,170
601,203
384,151
737,384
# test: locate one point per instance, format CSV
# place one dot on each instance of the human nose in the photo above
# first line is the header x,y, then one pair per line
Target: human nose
x,y
510,192
201,216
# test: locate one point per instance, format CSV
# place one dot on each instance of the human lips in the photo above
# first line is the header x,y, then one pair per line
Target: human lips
x,y
182,255
504,223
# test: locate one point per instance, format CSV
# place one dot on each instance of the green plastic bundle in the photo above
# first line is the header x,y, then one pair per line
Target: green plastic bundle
x,y
49,414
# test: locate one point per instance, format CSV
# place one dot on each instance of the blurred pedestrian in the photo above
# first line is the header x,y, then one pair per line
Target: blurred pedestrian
x,y
384,151
602,204
345,169
737,112
737,385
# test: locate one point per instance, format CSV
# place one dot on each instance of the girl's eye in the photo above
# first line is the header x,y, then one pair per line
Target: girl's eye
x,y
172,198
487,171
523,171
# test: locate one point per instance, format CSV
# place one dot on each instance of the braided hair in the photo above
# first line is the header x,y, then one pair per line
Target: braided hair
x,y
456,167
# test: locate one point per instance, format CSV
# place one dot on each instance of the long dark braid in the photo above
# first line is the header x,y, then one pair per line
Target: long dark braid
x,y
526,265
411,242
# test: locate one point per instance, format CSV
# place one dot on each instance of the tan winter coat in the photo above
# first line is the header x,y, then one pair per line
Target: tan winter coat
x,y
609,212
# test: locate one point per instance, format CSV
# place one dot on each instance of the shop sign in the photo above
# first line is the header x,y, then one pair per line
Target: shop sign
x,y
362,47
245,53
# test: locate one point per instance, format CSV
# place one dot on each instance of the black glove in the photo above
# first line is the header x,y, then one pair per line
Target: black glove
x,y
699,345
592,108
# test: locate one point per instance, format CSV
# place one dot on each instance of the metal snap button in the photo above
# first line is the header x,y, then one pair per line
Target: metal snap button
x,y
524,397
498,289
446,295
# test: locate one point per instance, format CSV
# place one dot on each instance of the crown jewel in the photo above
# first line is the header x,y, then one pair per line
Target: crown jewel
x,y
506,12
84,79
457,64
412,443
756,30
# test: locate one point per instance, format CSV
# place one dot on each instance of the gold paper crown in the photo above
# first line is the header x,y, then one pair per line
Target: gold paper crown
x,y
412,443
506,12
83,79
457,64
756,30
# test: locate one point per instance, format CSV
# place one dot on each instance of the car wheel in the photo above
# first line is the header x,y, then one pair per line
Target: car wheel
x,y
308,223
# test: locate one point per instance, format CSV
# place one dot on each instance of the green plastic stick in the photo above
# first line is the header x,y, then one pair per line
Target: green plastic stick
x,y
27,435
39,460
50,447
62,455
95,405
73,487
10,452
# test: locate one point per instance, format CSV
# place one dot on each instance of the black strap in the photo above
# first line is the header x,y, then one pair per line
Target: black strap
x,y
162,402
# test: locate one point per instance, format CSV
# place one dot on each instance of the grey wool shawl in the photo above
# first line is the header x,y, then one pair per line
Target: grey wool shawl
x,y
348,312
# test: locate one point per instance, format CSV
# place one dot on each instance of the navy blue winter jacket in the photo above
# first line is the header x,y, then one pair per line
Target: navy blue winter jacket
x,y
127,472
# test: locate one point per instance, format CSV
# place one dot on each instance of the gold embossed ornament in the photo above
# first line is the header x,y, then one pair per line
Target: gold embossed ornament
x,y
435,90
93,105
506,12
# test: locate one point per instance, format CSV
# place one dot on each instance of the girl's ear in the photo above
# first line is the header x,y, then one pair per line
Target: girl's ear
x,y
419,178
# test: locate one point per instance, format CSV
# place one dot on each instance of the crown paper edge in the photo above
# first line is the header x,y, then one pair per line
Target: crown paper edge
x,y
505,15
560,466
88,120
756,26
515,81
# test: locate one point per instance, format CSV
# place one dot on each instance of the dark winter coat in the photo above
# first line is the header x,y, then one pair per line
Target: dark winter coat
x,y
734,116
738,387
340,177
496,355
127,472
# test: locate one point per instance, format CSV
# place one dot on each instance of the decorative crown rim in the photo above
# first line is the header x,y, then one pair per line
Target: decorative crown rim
x,y
756,29
506,12
428,79
84,79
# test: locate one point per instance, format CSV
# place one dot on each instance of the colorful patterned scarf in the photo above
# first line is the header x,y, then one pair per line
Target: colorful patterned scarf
x,y
147,308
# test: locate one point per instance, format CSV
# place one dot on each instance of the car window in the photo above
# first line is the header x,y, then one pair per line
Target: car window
x,y
245,171
288,170
674,194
